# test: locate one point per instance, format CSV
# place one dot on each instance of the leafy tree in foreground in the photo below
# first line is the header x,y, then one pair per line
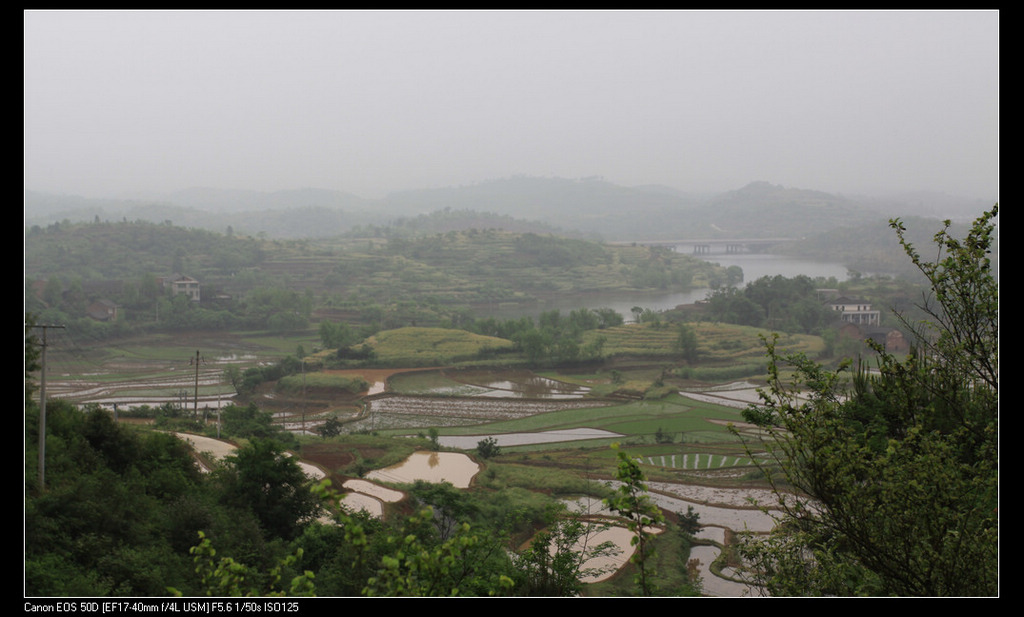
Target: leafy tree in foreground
x,y
104,524
263,478
229,578
421,567
642,514
556,558
894,472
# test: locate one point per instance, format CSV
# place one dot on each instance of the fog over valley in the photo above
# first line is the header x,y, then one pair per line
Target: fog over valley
x,y
401,112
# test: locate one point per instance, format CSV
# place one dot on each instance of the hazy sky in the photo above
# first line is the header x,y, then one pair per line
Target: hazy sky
x,y
118,102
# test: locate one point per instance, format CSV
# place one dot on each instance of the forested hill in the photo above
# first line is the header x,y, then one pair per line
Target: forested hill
x,y
453,268
128,250
589,207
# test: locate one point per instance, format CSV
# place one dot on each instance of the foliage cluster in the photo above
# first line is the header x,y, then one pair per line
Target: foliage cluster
x,y
779,303
341,384
251,422
895,470
117,510
335,335
555,559
561,252
247,381
128,513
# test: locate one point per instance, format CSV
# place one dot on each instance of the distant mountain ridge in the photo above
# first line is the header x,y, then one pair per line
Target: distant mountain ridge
x,y
588,206
230,200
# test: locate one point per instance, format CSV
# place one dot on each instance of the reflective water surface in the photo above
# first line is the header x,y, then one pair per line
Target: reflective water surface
x,y
453,467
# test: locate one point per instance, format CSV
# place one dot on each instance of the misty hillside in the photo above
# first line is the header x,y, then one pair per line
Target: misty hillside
x,y
590,207
282,214
874,247
223,200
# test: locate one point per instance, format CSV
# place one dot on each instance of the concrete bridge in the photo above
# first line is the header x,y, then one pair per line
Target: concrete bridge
x,y
707,246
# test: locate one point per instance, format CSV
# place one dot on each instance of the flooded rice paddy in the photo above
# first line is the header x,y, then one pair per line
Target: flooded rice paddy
x,y
216,448
369,497
517,383
603,567
737,395
152,383
720,510
503,383
463,398
453,467
405,411
468,442
363,495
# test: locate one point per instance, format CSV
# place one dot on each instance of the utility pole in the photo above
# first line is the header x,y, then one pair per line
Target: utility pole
x,y
303,395
195,403
42,409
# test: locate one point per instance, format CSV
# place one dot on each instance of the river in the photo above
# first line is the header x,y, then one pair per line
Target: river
x,y
754,266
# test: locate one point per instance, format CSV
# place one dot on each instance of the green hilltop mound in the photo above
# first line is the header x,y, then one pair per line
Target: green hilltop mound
x,y
419,346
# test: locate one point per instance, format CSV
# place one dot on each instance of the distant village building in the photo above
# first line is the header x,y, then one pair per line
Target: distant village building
x,y
181,284
891,339
102,310
855,311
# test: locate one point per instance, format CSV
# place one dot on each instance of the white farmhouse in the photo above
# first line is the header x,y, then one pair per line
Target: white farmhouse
x,y
855,311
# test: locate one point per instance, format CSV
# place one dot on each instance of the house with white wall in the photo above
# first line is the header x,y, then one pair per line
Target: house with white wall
x,y
181,284
855,311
